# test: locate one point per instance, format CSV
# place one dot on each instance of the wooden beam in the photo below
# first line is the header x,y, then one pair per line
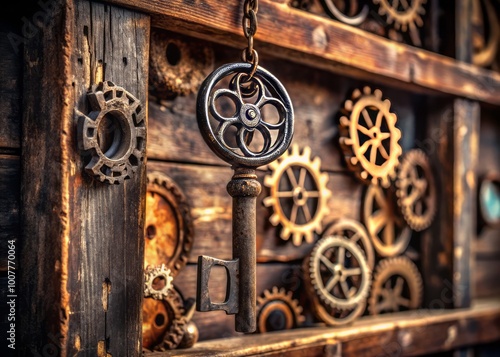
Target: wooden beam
x,y
82,240
410,333
326,44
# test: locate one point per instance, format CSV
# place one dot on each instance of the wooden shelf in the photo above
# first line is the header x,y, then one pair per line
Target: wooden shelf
x,y
404,334
326,44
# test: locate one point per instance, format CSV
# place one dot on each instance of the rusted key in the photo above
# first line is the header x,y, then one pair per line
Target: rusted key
x,y
246,134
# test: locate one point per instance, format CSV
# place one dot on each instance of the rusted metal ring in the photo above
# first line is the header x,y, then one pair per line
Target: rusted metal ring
x,y
113,133
272,92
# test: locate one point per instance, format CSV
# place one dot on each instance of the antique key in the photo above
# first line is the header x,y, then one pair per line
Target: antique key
x,y
229,130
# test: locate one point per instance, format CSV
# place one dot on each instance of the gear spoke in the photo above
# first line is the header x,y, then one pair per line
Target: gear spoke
x,y
398,287
341,256
373,153
284,194
302,177
383,151
352,271
403,302
377,221
293,214
368,119
365,147
291,177
312,194
307,212
327,263
331,283
345,289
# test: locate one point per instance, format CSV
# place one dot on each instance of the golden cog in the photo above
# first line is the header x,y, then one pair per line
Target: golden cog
x,y
277,310
298,195
397,286
369,137
405,15
416,191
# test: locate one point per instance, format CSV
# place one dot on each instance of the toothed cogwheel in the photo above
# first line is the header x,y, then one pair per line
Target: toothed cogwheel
x,y
389,233
298,195
113,133
157,282
277,310
397,286
369,137
176,320
339,273
404,14
416,191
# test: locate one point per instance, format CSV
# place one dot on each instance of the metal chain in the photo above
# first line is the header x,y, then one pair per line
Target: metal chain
x,y
249,24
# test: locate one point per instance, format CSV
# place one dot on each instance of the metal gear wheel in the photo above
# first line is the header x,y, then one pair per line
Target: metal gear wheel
x,y
113,133
336,317
356,232
277,310
338,272
397,285
176,322
157,282
369,137
298,195
389,233
403,15
416,190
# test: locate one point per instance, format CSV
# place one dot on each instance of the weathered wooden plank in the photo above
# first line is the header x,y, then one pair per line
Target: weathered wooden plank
x,y
485,278
327,44
403,334
205,188
10,174
10,87
83,246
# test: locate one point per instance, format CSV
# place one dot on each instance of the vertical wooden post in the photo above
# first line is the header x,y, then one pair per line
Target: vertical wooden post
x,y
82,244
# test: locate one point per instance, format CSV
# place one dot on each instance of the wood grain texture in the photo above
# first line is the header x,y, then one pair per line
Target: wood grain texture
x,y
327,44
83,240
10,175
402,334
10,88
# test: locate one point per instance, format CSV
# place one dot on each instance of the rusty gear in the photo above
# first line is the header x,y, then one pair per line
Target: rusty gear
x,y
277,310
397,285
416,191
338,272
298,195
176,322
369,137
152,276
389,233
355,231
113,133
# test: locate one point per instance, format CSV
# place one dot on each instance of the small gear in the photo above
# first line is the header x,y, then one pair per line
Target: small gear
x,y
157,282
389,233
355,231
338,272
113,133
416,191
277,310
404,15
298,195
397,285
369,137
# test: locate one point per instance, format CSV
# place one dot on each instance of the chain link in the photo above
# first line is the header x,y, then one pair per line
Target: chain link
x,y
249,24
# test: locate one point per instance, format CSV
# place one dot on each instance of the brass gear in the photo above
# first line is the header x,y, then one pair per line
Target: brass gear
x,y
277,310
177,322
416,190
338,272
297,181
356,232
389,233
403,15
397,285
369,137
152,286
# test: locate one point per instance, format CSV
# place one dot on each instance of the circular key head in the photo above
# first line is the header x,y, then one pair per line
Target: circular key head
x,y
246,122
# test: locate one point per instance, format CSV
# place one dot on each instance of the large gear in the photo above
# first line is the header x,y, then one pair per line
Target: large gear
x,y
169,228
157,282
416,191
277,310
369,137
355,231
338,272
298,195
389,233
397,285
403,15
